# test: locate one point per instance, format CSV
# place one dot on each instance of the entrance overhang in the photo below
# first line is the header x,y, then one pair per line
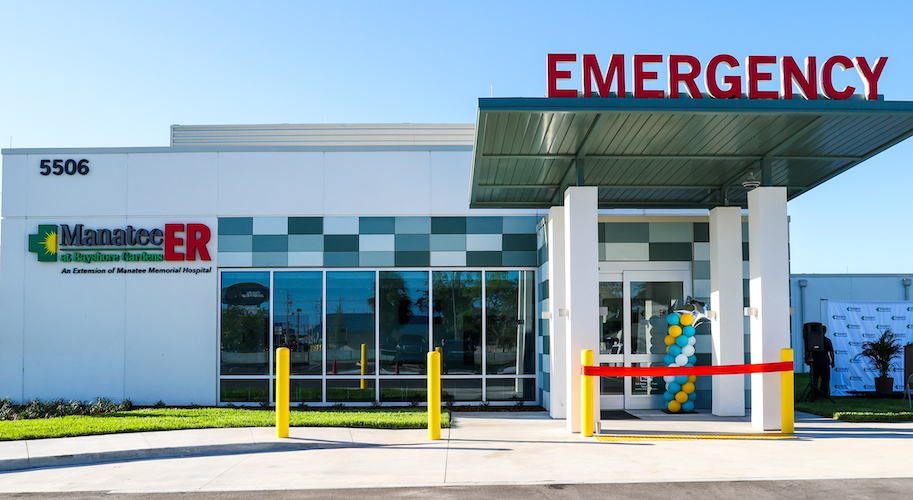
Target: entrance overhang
x,y
671,153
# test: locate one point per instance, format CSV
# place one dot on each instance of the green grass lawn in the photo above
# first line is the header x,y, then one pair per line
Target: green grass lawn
x,y
854,408
157,419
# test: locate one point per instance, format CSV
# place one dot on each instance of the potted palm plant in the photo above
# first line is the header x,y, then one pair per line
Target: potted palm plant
x,y
881,354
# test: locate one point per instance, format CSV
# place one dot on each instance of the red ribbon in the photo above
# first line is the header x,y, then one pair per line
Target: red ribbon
x,y
661,371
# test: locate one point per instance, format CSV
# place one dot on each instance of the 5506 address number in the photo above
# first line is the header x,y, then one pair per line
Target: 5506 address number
x,y
60,167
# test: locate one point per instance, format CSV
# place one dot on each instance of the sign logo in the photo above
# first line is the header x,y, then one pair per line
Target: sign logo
x,y
44,243
867,318
177,242
840,334
883,309
854,309
838,316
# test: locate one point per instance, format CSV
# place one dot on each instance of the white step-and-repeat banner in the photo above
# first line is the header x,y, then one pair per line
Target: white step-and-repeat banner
x,y
850,323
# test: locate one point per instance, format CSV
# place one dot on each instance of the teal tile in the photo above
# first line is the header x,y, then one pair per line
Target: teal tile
x,y
340,243
413,225
448,242
671,232
671,251
305,243
270,259
518,242
483,225
376,225
601,251
412,259
448,225
305,225
701,232
745,250
236,225
376,259
627,232
270,243
701,270
413,243
520,259
601,232
543,255
235,243
520,224
483,259
340,259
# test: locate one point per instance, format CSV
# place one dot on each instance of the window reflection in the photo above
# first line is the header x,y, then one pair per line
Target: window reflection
x,y
403,317
350,322
297,319
244,321
458,320
611,297
650,303
509,312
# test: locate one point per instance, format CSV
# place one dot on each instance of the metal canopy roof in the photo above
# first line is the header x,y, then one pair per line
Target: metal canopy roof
x,y
670,153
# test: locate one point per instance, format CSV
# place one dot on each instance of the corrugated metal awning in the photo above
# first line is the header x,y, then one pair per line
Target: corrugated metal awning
x,y
670,153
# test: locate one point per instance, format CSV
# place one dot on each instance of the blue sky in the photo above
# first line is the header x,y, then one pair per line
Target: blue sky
x,y
80,74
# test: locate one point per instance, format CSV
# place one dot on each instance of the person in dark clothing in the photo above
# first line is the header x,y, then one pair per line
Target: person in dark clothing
x,y
821,362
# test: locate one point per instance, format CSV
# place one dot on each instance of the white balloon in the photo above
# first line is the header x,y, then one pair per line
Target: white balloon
x,y
688,350
681,360
692,340
668,378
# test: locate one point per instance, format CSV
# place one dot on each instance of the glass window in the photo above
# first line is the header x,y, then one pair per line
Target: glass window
x,y
611,386
305,390
403,316
461,389
457,310
650,303
244,391
511,389
297,313
350,322
611,296
245,320
403,390
349,390
509,316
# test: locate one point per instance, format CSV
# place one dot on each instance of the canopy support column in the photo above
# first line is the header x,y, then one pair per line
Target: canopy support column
x,y
581,281
727,329
768,252
557,298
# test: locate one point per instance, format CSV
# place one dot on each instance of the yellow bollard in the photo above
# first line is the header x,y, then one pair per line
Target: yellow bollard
x,y
364,365
282,391
586,394
434,395
787,394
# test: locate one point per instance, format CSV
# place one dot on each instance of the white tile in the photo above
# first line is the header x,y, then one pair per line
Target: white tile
x,y
270,225
340,225
704,344
306,259
483,242
376,243
235,259
627,251
746,270
701,289
448,258
702,251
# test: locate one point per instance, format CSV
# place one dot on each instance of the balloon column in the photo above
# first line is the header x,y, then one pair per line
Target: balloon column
x,y
680,341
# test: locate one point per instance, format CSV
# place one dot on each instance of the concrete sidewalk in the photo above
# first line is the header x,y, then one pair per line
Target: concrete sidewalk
x,y
480,448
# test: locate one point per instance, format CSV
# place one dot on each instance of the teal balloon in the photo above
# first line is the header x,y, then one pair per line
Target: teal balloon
x,y
673,387
681,340
674,350
692,359
688,331
668,396
681,379
692,396
687,406
672,319
668,359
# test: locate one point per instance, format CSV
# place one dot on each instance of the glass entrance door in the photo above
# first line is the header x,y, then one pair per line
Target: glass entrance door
x,y
633,308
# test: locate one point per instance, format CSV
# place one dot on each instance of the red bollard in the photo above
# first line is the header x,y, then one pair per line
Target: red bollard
x,y
334,367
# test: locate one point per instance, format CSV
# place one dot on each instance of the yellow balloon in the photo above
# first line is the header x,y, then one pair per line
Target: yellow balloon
x,y
687,388
674,406
675,330
669,340
681,397
686,319
667,348
692,379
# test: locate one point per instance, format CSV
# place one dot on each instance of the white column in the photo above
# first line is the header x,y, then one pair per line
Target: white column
x,y
727,329
768,240
582,288
557,299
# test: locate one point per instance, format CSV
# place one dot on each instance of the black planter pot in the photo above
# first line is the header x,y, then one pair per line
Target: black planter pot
x,y
884,385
